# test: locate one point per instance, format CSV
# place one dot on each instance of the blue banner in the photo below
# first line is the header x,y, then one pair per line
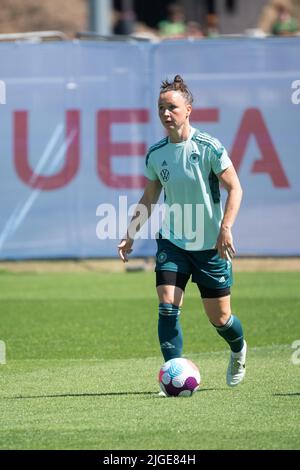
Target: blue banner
x,y
79,117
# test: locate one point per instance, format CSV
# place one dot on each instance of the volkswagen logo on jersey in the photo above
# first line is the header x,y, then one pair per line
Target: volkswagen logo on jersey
x,y
165,174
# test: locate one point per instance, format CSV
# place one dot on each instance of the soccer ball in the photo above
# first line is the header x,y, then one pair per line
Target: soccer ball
x,y
179,378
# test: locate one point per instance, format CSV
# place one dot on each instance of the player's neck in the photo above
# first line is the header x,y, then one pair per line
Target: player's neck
x,y
180,135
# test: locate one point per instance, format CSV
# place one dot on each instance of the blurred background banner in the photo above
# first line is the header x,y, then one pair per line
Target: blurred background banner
x,y
80,116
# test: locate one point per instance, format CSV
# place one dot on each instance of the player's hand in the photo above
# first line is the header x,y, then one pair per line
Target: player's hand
x,y
125,248
225,244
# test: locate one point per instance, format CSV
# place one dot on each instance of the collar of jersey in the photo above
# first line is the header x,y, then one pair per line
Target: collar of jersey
x,y
180,144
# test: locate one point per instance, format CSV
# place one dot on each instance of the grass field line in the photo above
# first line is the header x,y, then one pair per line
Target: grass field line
x,y
273,347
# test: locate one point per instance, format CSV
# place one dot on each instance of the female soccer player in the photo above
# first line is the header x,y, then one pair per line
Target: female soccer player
x,y
195,238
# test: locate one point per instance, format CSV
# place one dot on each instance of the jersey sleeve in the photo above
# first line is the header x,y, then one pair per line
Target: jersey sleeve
x,y
149,171
220,160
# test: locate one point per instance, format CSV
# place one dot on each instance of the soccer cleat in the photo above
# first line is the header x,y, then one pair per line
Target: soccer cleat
x,y
236,367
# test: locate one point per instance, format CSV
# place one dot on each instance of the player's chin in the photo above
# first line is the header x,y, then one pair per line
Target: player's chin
x,y
168,125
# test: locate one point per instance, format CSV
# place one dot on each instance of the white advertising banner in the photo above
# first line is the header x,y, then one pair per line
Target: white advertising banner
x,y
77,119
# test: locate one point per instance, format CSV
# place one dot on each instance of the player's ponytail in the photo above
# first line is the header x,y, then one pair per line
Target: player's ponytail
x,y
177,84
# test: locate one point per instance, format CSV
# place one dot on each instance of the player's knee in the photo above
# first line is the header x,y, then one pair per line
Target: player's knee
x,y
220,318
170,295
168,299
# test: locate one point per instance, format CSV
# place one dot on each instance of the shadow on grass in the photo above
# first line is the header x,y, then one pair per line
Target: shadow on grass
x,y
105,394
292,394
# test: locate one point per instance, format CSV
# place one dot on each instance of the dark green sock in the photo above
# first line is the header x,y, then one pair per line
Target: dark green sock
x,y
232,332
169,331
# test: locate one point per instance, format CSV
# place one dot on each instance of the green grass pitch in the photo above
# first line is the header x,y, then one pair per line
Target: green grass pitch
x,y
83,359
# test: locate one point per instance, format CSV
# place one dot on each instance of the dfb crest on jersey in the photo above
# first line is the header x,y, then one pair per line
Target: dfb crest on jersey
x,y
165,174
194,158
161,257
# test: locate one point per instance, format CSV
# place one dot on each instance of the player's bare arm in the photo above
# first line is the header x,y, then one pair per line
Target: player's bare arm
x,y
231,183
142,213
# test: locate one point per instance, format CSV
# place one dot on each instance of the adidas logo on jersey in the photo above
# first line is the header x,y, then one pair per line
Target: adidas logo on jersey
x,y
222,279
164,163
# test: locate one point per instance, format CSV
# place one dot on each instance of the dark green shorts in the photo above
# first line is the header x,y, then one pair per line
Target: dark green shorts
x,y
206,267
